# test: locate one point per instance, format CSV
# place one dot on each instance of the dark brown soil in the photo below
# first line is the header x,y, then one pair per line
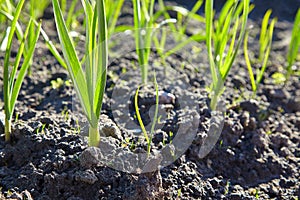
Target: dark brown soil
x,y
256,155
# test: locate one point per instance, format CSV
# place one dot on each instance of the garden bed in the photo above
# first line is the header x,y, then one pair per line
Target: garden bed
x,y
257,155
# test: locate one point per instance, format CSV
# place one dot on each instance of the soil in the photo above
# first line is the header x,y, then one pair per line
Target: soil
x,y
254,153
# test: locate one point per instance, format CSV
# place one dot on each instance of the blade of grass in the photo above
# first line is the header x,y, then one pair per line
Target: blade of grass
x,y
4,41
24,68
19,31
19,56
192,13
103,54
269,37
53,49
248,63
265,42
221,36
155,117
89,85
6,89
63,6
138,38
11,83
165,13
209,32
138,115
72,61
91,18
71,13
294,45
263,34
193,38
49,43
114,18
240,39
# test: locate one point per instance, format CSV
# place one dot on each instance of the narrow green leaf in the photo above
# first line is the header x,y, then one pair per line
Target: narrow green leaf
x,y
156,107
139,21
192,14
193,38
63,6
4,41
6,82
294,44
248,63
262,39
240,39
19,31
113,21
163,39
269,37
230,55
73,64
164,11
71,13
90,55
123,28
103,56
138,115
53,50
209,30
24,68
19,55
227,8
144,10
222,40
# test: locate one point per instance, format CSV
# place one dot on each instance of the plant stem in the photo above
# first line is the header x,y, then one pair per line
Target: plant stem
x,y
155,114
144,69
94,136
217,92
7,129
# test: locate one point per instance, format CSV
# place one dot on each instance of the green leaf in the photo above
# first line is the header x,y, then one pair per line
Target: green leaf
x,y
221,63
6,81
71,13
269,37
263,41
73,64
53,49
19,55
248,63
294,44
138,115
115,12
89,85
100,71
49,43
229,63
24,67
209,32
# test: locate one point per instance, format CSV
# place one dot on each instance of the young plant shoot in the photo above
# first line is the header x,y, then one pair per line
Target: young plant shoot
x,y
155,117
89,84
12,81
34,13
223,37
176,27
143,24
183,16
36,10
294,45
19,33
113,10
265,43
